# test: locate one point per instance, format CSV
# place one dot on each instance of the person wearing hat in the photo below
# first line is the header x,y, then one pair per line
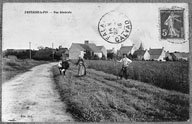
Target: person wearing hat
x,y
81,66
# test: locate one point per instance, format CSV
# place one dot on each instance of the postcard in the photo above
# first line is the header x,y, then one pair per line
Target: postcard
x,y
95,62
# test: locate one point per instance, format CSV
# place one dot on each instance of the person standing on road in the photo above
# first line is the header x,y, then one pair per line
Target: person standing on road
x,y
126,62
82,67
63,65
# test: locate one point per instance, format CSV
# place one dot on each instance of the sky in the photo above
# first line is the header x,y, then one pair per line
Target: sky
x,y
81,23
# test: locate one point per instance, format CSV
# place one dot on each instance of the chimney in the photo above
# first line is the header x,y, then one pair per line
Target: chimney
x,y
86,42
121,45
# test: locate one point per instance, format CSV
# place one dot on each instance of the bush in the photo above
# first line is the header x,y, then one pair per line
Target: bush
x,y
44,54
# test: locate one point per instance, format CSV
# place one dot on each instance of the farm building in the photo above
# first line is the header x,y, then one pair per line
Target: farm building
x,y
157,54
179,56
77,49
125,50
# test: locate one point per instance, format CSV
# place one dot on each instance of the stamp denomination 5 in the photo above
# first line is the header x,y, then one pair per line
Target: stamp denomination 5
x,y
172,25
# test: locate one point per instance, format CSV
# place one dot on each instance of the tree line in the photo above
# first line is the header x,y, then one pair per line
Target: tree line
x,y
47,54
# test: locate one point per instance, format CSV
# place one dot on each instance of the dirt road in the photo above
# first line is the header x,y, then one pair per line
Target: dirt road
x,y
32,97
96,97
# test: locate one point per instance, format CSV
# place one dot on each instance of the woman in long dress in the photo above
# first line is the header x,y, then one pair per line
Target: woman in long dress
x,y
82,67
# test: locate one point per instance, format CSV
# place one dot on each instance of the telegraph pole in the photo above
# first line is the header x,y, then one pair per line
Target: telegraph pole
x,y
52,51
29,50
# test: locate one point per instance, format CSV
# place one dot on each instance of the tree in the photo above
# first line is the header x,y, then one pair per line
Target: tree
x,y
40,47
44,54
110,55
87,55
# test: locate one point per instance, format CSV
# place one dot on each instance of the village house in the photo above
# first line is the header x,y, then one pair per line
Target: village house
x,y
157,54
168,56
94,49
179,56
78,49
125,50
141,54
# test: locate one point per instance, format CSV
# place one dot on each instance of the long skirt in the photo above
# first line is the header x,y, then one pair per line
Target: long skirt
x,y
81,70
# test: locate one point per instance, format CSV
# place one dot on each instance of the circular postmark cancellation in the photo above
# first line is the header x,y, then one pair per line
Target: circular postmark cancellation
x,y
114,27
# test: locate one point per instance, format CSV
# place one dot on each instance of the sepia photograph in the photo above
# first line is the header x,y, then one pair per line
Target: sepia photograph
x,y
95,62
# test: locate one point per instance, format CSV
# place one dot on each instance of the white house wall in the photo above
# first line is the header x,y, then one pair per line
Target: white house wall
x,y
104,51
98,54
162,56
74,52
146,55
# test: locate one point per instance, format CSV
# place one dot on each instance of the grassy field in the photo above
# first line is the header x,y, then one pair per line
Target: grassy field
x,y
167,75
99,97
13,67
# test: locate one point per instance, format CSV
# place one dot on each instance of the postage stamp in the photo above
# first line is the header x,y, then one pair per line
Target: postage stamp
x,y
172,24
114,27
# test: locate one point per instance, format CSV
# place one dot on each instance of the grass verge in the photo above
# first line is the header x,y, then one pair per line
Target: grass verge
x,y
12,67
94,98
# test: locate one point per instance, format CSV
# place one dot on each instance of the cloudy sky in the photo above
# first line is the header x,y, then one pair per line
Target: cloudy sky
x,y
81,24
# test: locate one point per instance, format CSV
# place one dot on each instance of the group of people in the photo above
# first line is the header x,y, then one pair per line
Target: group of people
x,y
63,65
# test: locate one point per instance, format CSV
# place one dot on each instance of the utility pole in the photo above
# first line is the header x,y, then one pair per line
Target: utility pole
x,y
52,51
29,50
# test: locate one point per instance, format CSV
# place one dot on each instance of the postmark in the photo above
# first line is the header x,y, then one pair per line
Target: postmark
x,y
172,25
114,27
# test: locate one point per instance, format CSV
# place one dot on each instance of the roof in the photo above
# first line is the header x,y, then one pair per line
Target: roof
x,y
141,47
81,46
125,49
110,51
154,56
181,55
94,48
155,51
85,47
88,47
100,47
139,52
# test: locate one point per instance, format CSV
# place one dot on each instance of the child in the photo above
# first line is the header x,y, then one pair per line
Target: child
x,y
63,65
